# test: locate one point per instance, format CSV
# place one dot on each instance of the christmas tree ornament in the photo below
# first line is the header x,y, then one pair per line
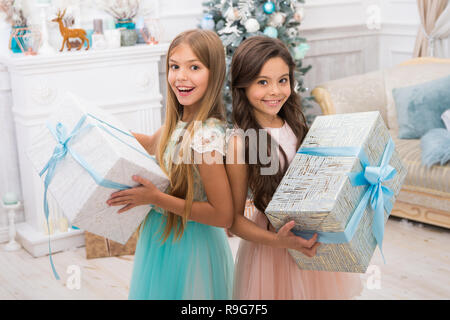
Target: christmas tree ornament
x,y
300,51
292,32
245,8
269,7
228,29
271,32
277,19
208,22
252,25
232,14
299,14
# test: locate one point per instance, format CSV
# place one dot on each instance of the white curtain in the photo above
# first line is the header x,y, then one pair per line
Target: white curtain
x,y
434,27
440,32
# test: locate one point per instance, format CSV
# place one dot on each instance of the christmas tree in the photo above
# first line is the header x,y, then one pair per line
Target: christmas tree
x,y
237,20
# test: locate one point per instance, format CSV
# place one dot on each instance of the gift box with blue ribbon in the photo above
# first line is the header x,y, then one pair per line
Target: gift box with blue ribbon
x,y
342,185
83,155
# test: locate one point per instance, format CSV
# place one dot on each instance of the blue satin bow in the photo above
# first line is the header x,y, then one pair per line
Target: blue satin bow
x,y
377,194
62,149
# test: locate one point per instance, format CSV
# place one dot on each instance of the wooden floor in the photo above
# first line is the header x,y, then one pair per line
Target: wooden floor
x,y
418,267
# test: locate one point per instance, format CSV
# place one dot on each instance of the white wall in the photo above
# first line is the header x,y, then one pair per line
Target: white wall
x,y
178,15
400,24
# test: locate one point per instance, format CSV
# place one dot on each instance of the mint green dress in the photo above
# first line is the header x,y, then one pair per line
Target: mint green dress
x,y
200,264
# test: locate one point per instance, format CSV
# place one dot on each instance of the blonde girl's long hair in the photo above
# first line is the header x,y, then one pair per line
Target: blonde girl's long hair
x,y
208,48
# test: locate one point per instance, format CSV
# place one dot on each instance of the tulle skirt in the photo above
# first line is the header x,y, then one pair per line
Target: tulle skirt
x,y
198,266
263,272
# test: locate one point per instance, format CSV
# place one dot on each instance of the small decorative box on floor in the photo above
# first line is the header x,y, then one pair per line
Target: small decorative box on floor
x,y
100,247
84,155
342,184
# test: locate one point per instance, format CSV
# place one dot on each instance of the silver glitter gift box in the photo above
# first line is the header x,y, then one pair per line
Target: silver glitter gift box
x,y
318,194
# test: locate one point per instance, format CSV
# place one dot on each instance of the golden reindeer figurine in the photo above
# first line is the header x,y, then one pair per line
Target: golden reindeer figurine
x,y
70,33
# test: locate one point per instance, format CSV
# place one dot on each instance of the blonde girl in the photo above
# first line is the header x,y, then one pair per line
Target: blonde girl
x,y
183,252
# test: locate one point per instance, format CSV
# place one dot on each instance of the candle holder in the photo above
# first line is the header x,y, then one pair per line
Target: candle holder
x,y
98,38
25,40
152,33
12,245
45,48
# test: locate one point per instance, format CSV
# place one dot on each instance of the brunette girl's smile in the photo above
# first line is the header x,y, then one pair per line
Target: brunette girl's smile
x,y
273,102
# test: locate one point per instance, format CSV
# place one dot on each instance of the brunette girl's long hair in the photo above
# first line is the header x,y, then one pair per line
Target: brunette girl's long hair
x,y
208,48
248,60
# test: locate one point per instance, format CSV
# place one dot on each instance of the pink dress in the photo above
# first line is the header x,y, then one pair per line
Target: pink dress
x,y
267,273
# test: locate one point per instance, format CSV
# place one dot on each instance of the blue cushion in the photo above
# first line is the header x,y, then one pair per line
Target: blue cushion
x,y
435,146
419,107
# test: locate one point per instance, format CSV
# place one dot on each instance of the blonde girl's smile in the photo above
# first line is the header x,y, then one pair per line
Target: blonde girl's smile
x,y
185,91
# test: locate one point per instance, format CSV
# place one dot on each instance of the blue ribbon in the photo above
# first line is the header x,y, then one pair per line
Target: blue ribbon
x,y
378,195
60,152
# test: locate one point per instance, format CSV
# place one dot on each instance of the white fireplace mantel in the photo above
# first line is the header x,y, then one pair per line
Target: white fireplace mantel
x,y
123,81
